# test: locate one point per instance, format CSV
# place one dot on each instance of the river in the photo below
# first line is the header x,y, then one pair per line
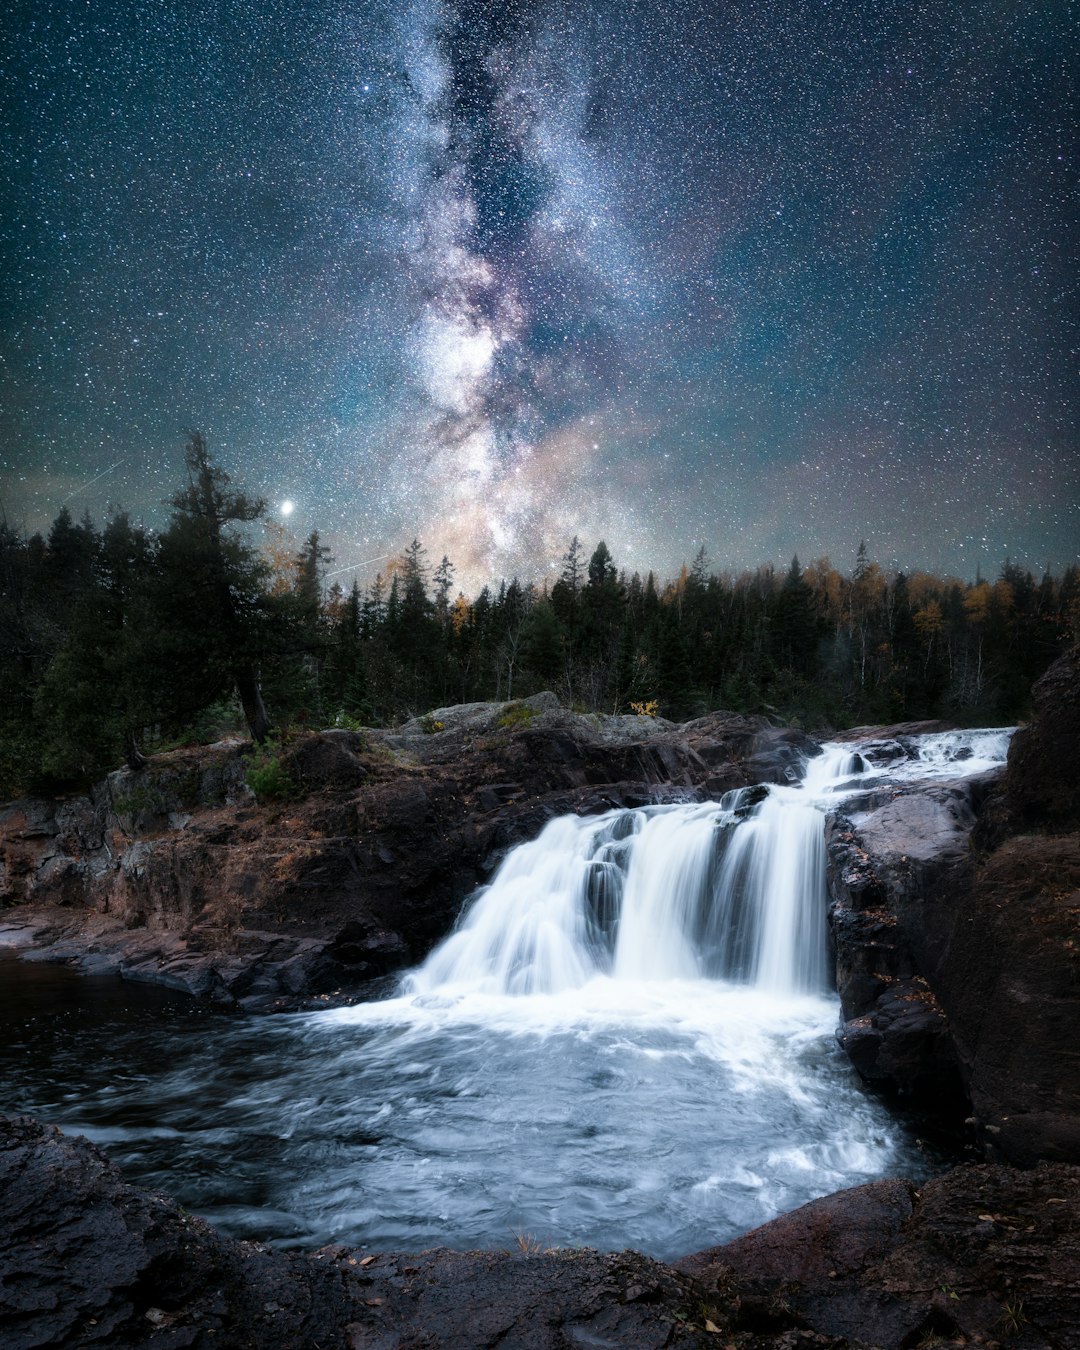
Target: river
x,y
627,1042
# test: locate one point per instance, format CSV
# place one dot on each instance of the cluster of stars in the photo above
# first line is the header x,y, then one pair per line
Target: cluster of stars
x,y
775,277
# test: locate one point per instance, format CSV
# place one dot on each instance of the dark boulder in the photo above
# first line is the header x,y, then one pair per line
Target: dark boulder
x,y
982,1256
1009,981
779,755
905,1042
86,1260
89,1261
959,969
893,878
1041,787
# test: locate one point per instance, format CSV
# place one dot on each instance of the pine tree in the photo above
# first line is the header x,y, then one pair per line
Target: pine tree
x,y
211,600
542,644
444,583
794,632
673,669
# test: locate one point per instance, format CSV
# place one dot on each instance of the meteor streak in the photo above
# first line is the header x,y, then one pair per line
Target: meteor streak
x,y
84,486
353,566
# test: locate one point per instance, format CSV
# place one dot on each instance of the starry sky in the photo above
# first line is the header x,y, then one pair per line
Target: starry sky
x,y
768,277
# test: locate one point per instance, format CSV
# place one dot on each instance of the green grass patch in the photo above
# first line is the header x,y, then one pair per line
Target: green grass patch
x,y
515,715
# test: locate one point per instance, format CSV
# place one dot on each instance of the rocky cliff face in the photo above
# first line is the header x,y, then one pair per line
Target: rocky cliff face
x,y
959,967
895,871
176,874
1041,790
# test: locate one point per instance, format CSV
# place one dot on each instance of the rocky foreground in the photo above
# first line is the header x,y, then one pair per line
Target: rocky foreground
x,y
984,1256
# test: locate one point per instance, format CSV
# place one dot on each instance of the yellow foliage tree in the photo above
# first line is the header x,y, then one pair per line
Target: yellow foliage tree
x,y
977,603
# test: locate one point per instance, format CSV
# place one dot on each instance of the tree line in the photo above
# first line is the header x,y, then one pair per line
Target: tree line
x,y
119,642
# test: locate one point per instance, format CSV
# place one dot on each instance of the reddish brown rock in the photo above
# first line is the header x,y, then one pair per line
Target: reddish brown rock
x,y
1042,778
175,874
958,946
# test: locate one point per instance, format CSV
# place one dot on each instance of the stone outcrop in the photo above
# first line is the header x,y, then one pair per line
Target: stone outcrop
x,y
986,1255
1041,789
1010,983
176,874
87,1260
983,1256
958,939
894,871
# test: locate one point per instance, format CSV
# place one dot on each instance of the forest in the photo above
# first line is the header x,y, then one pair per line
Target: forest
x,y
120,642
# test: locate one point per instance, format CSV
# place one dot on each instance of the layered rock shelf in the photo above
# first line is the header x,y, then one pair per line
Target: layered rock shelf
x,y
175,874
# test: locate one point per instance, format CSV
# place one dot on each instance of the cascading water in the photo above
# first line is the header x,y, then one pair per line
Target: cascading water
x,y
733,890
627,1041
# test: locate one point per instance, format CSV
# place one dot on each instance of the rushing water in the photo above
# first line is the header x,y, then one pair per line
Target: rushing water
x,y
627,1041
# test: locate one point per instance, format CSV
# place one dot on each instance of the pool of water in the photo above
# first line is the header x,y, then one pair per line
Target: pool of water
x,y
666,1116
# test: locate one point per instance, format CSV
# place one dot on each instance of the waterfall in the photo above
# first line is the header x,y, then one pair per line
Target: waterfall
x,y
628,1038
604,1053
730,890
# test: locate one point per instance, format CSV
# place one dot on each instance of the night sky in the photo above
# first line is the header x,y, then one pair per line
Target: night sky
x,y
766,277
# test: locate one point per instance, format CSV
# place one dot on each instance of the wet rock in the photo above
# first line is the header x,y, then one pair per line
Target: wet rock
x,y
895,871
905,1042
87,1260
779,755
959,972
1009,981
749,799
1041,787
893,732
984,1255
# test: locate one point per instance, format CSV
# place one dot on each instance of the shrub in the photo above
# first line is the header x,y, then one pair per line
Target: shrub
x,y
266,776
344,721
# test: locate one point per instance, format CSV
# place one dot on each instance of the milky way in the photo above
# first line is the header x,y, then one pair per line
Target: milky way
x,y
764,277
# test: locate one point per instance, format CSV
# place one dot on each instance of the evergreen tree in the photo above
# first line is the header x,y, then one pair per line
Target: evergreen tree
x,y
542,645
794,633
70,557
444,582
601,613
673,669
211,598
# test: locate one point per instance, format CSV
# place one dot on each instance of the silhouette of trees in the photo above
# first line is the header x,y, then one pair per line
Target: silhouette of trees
x,y
119,641
212,588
